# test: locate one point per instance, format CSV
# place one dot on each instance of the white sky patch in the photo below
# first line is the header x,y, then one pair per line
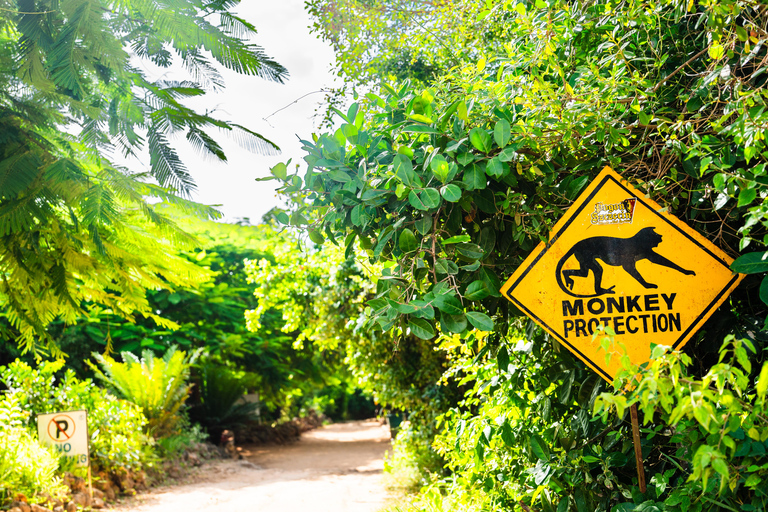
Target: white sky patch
x,y
283,32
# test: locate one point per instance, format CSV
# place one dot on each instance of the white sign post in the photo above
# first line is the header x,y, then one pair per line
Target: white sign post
x,y
67,432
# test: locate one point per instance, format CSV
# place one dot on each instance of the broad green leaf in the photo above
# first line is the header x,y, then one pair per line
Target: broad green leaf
x,y
404,171
384,237
540,448
465,158
440,167
480,139
352,112
456,239
374,193
751,263
424,225
405,150
471,267
403,309
764,290
575,186
506,431
461,111
416,201
480,321
451,193
753,480
746,196
487,239
339,176
407,241
420,118
762,381
339,137
280,171
283,218
477,290
430,197
469,252
420,128
350,132
425,310
316,236
502,360
508,154
421,328
502,132
494,168
474,177
453,323
448,304
721,467
446,267
716,51
357,215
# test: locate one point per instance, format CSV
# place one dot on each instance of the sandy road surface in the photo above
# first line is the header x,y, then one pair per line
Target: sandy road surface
x,y
337,468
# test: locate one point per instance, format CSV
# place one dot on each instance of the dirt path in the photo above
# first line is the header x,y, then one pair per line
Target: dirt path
x,y
337,468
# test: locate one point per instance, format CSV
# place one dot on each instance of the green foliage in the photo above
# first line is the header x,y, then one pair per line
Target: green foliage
x,y
217,409
446,186
174,445
712,428
77,228
412,461
25,466
157,385
323,294
115,425
378,39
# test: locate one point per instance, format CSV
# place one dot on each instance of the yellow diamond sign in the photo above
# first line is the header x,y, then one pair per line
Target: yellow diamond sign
x,y
616,259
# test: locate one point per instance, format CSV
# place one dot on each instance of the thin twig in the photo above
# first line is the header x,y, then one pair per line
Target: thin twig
x,y
679,69
295,101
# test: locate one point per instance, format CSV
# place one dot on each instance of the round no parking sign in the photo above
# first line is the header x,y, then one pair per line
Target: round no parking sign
x,y
67,433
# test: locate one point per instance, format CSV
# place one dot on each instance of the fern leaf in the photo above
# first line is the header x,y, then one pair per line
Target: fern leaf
x,y
166,166
204,144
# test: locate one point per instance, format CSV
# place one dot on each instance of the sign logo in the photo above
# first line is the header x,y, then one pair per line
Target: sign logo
x,y
616,260
618,213
61,428
67,433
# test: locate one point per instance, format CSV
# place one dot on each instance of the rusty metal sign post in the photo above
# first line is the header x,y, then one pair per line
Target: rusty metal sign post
x,y
617,259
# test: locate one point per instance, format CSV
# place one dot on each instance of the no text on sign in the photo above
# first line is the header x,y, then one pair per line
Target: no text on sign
x,y
67,433
616,259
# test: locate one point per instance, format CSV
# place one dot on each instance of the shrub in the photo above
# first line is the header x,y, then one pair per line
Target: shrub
x,y
714,426
25,466
412,461
157,385
218,407
115,425
189,435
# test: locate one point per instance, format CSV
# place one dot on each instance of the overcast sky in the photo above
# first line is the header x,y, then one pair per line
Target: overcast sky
x,y
285,36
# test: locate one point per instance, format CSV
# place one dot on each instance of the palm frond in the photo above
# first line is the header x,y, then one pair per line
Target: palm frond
x,y
18,173
201,69
63,70
236,26
252,141
166,166
204,144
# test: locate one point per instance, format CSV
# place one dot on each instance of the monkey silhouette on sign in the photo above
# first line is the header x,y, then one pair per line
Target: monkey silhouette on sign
x,y
617,252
